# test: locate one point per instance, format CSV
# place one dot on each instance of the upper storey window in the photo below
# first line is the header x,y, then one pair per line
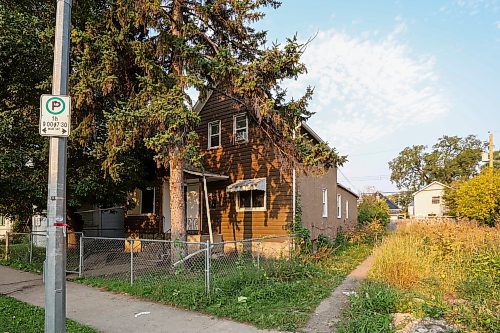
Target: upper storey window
x,y
240,128
214,134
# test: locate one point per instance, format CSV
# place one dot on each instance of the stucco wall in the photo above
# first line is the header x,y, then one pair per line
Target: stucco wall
x,y
423,202
351,219
310,189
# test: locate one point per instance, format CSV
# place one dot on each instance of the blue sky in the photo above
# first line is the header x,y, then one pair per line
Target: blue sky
x,y
390,74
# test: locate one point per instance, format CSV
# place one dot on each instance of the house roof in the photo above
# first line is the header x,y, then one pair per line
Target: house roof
x,y
202,101
429,185
347,190
389,202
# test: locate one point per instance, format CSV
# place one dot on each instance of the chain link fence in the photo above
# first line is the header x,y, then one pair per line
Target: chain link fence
x,y
170,265
29,249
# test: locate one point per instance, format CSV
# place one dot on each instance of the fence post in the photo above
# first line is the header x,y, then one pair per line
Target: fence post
x,y
207,267
258,255
131,261
7,234
31,247
80,257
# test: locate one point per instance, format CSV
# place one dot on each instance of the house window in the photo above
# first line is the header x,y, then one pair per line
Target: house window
x,y
339,206
436,200
325,202
214,134
2,220
251,200
240,128
346,209
148,200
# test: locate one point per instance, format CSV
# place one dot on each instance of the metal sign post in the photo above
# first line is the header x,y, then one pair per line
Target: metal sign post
x,y
55,265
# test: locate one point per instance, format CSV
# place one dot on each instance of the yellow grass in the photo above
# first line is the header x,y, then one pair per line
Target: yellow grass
x,y
438,256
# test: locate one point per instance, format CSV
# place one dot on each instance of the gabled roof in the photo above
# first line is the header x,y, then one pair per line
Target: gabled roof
x,y
202,101
347,190
389,202
429,185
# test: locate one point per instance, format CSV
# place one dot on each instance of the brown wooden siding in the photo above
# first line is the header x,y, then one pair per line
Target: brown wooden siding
x,y
254,159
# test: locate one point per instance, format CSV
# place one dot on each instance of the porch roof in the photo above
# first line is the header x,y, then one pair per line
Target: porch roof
x,y
210,176
247,185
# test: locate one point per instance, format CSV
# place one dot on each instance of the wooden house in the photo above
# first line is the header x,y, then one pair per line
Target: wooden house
x,y
246,194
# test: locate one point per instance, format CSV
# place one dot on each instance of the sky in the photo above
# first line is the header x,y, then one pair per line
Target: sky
x,y
392,74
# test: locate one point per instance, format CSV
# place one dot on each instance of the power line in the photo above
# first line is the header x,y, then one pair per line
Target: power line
x,y
347,179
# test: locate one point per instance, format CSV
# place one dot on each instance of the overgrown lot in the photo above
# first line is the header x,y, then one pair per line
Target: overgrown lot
x,y
446,270
19,317
279,295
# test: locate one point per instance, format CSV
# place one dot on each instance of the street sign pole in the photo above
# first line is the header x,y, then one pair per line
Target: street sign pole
x,y
55,266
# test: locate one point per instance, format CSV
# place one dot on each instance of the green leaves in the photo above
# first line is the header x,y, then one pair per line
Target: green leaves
x,y
452,158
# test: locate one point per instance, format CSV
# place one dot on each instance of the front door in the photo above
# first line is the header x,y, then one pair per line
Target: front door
x,y
192,207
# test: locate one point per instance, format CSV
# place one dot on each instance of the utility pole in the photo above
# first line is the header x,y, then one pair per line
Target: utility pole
x,y
491,150
55,264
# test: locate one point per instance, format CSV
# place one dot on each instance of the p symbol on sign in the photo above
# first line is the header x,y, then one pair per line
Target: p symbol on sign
x,y
55,105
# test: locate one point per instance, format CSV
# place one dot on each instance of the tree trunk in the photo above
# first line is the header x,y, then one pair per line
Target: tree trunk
x,y
177,204
176,159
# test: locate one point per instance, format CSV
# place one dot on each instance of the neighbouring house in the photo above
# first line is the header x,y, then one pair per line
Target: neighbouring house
x,y
5,225
241,193
394,210
428,201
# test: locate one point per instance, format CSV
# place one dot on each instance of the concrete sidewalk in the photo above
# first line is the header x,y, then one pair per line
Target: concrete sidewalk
x,y
108,312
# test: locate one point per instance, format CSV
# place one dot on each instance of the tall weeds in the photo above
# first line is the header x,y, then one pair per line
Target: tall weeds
x,y
457,263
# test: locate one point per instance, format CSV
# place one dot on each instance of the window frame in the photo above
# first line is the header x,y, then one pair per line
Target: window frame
x,y
347,209
210,134
2,221
339,206
250,209
438,200
324,202
140,202
235,129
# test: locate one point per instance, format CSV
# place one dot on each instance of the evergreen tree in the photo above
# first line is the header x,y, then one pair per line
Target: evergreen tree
x,y
135,62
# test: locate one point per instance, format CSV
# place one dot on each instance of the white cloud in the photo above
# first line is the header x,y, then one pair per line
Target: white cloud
x,y
497,24
368,87
475,6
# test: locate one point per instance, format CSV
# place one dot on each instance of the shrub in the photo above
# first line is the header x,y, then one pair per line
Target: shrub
x,y
373,209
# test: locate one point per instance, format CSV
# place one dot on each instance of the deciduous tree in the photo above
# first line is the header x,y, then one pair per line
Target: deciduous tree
x,y
451,158
477,198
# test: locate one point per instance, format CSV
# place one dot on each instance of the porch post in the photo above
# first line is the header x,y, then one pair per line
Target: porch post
x,y
208,209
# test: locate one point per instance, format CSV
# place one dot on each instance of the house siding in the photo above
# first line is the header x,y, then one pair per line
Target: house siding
x,y
423,206
352,220
252,159
310,189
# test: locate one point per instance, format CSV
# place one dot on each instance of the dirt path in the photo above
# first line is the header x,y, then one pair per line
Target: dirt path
x,y
329,311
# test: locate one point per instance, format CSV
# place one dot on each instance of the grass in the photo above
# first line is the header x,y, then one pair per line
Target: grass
x,y
370,309
19,317
445,270
19,257
280,295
